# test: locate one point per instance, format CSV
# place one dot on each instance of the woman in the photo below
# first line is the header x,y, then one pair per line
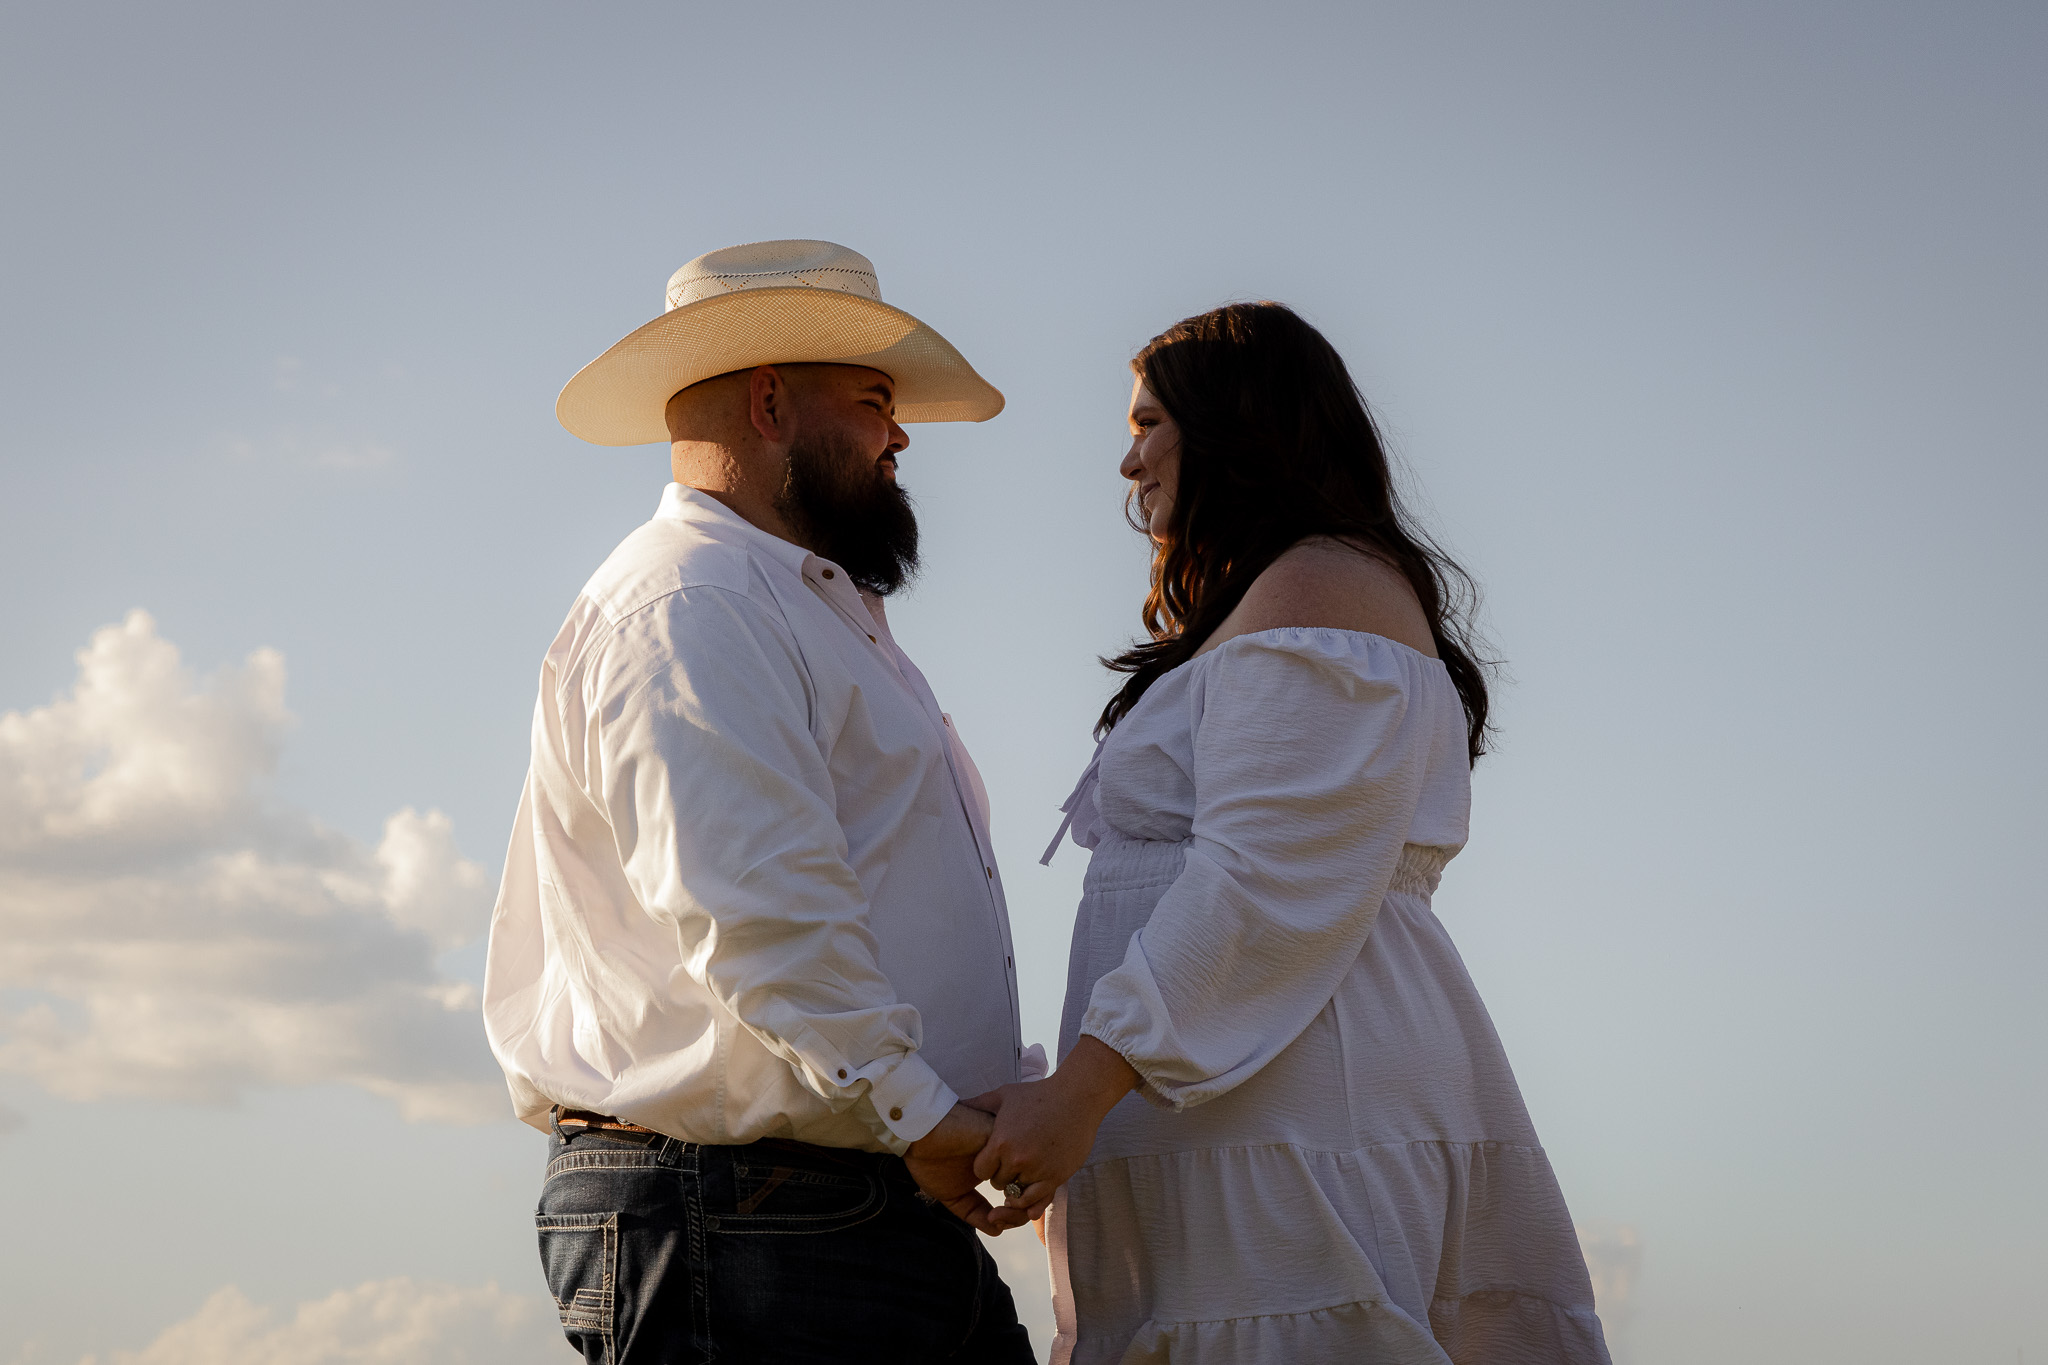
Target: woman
x,y
1327,1158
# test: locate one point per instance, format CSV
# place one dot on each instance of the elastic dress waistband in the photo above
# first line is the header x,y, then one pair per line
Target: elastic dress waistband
x,y
1136,863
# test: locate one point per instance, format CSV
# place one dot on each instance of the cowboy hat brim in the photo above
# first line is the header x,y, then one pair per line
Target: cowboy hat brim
x,y
619,399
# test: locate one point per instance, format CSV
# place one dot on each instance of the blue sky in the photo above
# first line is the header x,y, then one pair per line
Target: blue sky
x,y
1711,337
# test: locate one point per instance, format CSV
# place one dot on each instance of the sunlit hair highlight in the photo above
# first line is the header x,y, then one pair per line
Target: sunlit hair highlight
x,y
1276,445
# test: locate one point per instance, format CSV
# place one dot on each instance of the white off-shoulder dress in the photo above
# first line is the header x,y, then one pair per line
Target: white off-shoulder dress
x,y
1328,1159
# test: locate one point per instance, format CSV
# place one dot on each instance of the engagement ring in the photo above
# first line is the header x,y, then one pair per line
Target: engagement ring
x,y
1014,1190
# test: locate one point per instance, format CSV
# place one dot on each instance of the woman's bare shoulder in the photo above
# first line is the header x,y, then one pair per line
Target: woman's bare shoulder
x,y
1328,583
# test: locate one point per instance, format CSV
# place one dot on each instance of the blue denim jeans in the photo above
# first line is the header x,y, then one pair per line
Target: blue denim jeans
x,y
661,1252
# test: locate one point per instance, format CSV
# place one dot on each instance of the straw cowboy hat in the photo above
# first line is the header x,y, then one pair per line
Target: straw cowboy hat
x,y
770,303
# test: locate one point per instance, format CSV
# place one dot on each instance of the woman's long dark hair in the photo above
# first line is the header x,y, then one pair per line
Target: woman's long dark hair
x,y
1276,445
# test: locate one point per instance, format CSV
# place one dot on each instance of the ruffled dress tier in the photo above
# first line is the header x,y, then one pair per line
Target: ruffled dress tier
x,y
1328,1159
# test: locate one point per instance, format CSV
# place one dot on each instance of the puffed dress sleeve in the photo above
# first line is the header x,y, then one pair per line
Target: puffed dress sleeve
x,y
1307,768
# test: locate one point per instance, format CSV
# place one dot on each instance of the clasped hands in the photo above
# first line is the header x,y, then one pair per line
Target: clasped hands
x,y
1032,1135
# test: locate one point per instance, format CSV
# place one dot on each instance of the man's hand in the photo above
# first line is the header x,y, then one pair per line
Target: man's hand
x,y
942,1164
1045,1129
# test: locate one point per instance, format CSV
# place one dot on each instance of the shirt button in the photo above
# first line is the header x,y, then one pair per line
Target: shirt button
x,y
896,1114
991,873
1008,962
828,573
873,641
842,1073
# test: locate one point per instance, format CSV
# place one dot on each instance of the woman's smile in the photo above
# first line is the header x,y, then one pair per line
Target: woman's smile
x,y
1153,461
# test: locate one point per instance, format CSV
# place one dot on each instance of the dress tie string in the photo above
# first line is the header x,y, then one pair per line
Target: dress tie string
x,y
1073,802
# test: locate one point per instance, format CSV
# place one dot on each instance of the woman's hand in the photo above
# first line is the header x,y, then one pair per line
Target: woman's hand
x,y
942,1164
1045,1129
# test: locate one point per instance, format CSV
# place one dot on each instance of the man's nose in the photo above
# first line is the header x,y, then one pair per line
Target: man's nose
x,y
898,438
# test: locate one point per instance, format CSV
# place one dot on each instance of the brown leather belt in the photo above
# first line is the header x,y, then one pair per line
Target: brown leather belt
x,y
585,1119
566,1117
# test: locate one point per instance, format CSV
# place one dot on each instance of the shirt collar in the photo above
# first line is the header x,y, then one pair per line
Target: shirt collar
x,y
680,502
684,503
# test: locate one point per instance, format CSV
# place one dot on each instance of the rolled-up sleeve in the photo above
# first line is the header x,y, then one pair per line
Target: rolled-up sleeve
x,y
1305,786
723,809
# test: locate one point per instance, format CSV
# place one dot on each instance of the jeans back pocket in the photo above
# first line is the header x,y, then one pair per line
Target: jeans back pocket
x,y
579,1252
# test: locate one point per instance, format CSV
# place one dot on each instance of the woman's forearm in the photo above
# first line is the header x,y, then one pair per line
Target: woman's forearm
x,y
1095,1076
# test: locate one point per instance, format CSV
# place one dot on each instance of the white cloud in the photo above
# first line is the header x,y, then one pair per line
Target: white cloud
x,y
319,448
384,1322
1614,1257
168,930
289,375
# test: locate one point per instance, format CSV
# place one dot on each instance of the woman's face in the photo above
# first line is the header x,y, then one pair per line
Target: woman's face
x,y
1153,463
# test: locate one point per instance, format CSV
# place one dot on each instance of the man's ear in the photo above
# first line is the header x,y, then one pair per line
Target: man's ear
x,y
769,404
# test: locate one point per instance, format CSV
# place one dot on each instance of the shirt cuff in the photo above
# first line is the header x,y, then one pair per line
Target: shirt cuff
x,y
904,1105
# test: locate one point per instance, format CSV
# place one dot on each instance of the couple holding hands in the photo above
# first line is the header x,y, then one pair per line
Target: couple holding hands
x,y
751,965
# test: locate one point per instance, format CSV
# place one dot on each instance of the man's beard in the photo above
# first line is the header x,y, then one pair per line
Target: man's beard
x,y
850,512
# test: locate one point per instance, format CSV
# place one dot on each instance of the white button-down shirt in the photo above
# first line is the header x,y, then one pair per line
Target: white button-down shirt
x,y
750,891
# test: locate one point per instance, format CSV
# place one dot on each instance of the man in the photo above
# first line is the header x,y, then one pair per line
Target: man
x,y
751,947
